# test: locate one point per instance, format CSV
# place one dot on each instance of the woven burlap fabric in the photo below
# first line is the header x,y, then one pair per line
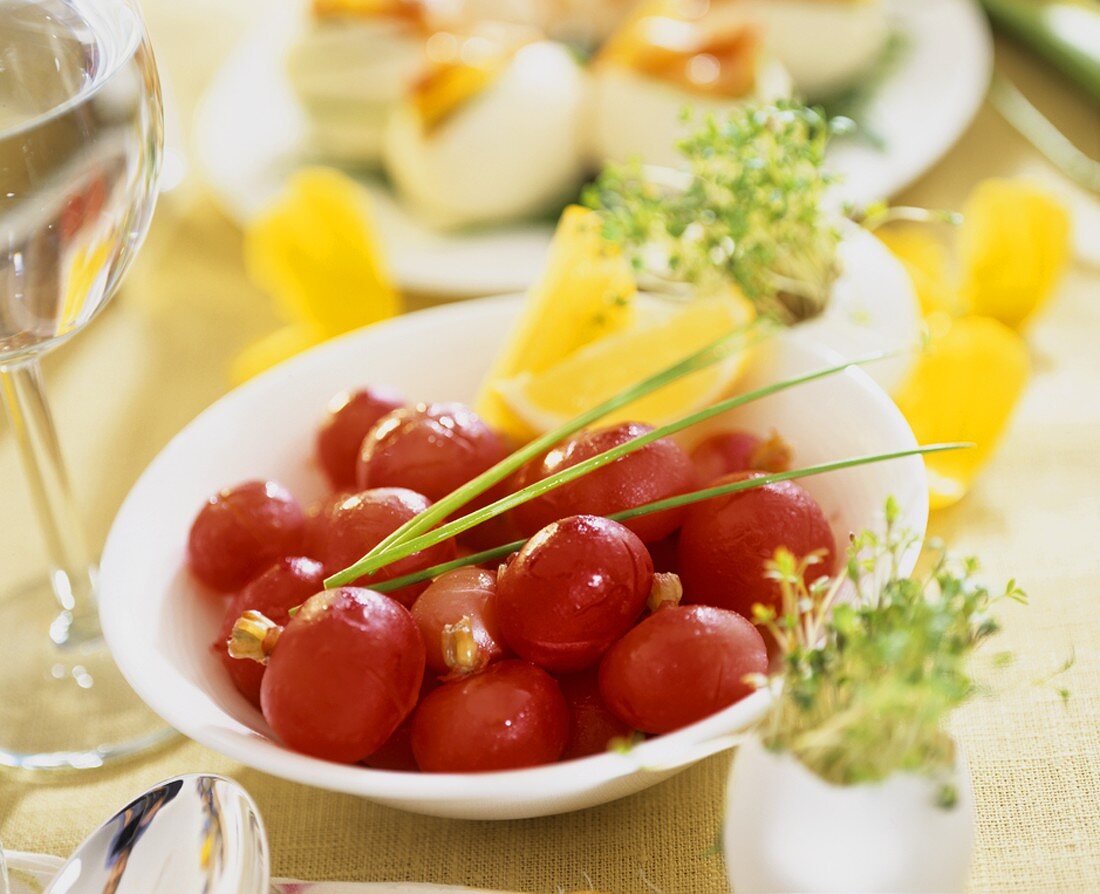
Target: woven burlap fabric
x,y
1035,514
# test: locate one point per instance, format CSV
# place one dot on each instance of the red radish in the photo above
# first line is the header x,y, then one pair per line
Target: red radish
x,y
317,519
431,448
726,542
396,752
679,665
287,583
456,675
492,533
592,726
663,553
352,526
654,472
740,451
343,675
462,593
510,715
571,591
241,530
350,417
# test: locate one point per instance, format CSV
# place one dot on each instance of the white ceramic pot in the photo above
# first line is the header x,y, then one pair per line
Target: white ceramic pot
x,y
787,830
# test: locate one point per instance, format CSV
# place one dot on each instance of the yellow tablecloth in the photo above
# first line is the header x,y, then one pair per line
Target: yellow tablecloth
x,y
1035,514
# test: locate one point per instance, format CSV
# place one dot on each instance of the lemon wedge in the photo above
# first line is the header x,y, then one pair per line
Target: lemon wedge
x,y
585,294
659,336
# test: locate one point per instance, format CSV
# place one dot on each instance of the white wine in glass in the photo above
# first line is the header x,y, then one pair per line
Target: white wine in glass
x,y
80,146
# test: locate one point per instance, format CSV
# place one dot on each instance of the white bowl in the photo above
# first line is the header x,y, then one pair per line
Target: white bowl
x,y
160,625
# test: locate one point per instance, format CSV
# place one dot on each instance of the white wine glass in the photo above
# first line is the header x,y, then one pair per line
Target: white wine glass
x,y
80,142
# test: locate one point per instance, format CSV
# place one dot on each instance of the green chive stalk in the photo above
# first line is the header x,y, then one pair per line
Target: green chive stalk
x,y
716,351
708,493
398,548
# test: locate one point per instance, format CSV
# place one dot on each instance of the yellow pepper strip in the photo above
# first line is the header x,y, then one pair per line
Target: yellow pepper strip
x,y
314,251
1009,254
963,388
273,349
1013,248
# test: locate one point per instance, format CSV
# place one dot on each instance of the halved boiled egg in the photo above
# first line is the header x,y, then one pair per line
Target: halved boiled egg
x,y
664,60
491,133
585,22
351,65
824,44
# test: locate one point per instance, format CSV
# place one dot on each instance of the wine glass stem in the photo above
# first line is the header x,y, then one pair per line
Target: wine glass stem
x,y
72,575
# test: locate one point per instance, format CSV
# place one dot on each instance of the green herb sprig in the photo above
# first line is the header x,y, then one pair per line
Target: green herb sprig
x,y
868,683
748,210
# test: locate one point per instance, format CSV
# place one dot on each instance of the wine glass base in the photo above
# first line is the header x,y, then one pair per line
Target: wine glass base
x,y
63,708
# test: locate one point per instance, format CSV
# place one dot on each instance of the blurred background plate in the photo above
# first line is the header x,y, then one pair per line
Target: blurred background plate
x,y
250,135
924,102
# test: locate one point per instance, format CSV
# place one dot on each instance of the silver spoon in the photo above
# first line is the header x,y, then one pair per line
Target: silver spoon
x,y
192,834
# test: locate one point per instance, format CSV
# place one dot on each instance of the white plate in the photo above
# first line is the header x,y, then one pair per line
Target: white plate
x,y
250,136
159,625
926,102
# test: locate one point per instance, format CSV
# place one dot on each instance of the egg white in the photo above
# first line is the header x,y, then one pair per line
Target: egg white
x,y
510,152
633,115
349,75
824,44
